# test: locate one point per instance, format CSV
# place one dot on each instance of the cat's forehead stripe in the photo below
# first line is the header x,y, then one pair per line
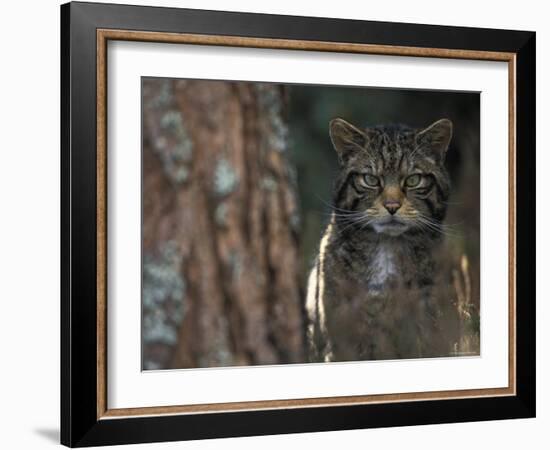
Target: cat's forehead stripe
x,y
390,152
393,150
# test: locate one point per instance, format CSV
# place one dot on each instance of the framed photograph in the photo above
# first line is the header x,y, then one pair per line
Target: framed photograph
x,y
276,224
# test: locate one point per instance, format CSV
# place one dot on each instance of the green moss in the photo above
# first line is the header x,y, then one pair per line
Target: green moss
x,y
171,121
180,174
270,100
225,178
220,215
163,295
292,175
235,264
269,183
218,354
152,365
160,93
295,221
174,147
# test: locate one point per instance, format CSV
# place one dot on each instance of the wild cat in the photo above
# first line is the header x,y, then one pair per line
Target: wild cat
x,y
370,290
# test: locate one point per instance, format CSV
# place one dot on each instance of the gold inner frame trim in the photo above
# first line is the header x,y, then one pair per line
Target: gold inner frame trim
x,y
103,36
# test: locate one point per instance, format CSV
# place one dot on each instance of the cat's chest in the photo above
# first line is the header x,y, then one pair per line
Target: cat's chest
x,y
388,268
384,267
374,269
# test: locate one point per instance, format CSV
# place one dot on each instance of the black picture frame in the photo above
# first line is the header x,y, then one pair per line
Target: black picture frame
x,y
80,425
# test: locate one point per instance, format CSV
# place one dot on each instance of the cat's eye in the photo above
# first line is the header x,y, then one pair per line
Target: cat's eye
x,y
413,181
371,180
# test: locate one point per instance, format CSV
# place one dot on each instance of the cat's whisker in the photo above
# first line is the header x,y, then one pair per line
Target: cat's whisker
x,y
361,222
341,231
365,225
446,226
434,226
333,207
427,227
343,215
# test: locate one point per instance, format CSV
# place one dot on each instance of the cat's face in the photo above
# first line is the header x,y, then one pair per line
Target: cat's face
x,y
392,179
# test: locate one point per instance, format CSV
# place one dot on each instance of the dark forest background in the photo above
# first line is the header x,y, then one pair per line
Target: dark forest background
x,y
237,177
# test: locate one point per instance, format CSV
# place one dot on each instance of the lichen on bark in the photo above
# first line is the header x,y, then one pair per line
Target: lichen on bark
x,y
232,217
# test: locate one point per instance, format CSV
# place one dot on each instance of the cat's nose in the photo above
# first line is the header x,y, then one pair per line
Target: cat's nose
x,y
392,206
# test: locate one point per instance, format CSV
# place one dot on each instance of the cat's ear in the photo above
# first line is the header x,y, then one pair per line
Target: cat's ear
x,y
346,138
436,138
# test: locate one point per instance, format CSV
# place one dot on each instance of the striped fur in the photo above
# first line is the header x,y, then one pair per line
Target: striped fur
x,y
369,293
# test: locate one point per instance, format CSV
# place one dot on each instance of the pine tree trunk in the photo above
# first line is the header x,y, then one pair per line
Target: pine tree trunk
x,y
220,250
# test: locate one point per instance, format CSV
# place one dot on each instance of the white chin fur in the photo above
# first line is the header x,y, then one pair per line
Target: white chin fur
x,y
390,230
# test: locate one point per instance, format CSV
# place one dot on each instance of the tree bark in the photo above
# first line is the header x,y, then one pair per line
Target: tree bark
x,y
220,251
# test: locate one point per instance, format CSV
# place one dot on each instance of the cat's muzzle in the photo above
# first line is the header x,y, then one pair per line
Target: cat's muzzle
x,y
390,225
